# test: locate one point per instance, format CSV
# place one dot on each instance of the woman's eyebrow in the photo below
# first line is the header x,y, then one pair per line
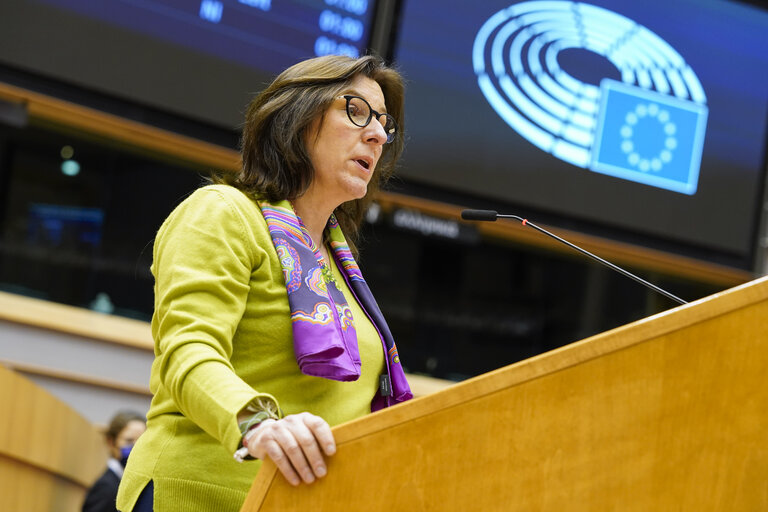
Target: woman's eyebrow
x,y
353,92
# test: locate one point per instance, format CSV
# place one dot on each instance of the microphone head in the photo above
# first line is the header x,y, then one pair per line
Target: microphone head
x,y
479,215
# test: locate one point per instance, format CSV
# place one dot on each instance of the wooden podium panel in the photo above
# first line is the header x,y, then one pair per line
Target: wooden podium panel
x,y
49,454
667,413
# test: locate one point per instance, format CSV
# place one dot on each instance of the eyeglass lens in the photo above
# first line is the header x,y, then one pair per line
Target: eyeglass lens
x,y
360,113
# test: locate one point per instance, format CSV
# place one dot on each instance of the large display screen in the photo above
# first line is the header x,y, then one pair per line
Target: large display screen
x,y
645,117
199,58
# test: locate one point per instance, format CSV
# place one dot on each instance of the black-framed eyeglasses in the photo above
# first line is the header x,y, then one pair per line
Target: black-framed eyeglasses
x,y
360,113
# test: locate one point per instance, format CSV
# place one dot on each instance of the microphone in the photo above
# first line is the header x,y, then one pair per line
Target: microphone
x,y
479,215
490,215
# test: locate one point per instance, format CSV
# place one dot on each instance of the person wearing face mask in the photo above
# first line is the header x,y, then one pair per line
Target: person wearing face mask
x,y
266,333
123,431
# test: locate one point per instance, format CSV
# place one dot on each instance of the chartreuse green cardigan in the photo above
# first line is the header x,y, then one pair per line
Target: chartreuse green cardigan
x,y
223,341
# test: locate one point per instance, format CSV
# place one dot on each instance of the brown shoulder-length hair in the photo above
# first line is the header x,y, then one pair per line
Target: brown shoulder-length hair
x,y
276,164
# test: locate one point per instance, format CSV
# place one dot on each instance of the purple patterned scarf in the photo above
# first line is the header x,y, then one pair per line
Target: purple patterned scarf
x,y
324,336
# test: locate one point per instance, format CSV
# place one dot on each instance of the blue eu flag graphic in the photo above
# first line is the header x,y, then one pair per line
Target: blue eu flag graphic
x,y
648,137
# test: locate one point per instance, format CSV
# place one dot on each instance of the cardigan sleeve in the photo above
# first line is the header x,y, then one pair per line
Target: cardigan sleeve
x,y
203,258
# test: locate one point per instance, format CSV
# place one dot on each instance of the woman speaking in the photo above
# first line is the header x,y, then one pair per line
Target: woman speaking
x,y
265,330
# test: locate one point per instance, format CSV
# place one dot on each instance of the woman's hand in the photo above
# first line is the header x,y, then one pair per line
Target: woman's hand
x,y
295,444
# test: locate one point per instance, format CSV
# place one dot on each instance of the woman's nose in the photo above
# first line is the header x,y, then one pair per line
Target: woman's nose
x,y
375,132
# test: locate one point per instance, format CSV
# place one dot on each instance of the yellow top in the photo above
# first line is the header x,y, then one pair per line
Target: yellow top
x,y
223,340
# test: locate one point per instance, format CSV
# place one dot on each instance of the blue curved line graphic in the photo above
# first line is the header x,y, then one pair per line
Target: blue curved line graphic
x,y
515,58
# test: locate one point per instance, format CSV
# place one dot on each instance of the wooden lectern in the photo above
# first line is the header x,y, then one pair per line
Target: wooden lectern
x,y
667,413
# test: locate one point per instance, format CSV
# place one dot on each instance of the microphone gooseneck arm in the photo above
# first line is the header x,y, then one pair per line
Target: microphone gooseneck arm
x,y
490,215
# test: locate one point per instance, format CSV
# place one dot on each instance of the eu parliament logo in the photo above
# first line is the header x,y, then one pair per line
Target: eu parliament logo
x,y
647,128
647,137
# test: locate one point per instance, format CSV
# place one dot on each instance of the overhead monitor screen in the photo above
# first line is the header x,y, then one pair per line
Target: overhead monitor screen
x,y
262,34
646,117
199,58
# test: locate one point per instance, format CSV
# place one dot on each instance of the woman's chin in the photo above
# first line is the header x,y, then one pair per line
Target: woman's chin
x,y
356,190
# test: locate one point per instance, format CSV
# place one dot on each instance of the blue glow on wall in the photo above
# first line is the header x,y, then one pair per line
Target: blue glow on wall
x,y
515,58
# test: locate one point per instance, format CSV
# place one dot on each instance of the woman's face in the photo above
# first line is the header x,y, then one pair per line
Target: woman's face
x,y
127,437
344,155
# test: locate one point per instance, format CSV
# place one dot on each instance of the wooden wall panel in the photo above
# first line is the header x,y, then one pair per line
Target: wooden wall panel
x,y
30,489
49,454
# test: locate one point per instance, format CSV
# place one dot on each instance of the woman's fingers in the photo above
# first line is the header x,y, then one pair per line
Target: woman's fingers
x,y
296,445
293,439
274,451
322,432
